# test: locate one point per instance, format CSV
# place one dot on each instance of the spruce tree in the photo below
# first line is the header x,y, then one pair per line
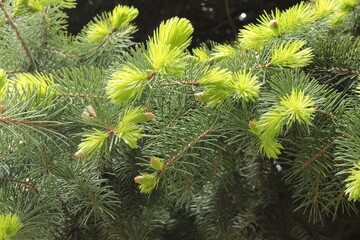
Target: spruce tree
x,y
104,138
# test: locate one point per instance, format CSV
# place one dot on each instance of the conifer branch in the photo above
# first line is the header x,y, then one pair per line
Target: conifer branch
x,y
63,53
339,70
18,34
27,184
317,155
316,194
80,95
326,113
16,70
96,50
184,150
11,120
264,66
182,83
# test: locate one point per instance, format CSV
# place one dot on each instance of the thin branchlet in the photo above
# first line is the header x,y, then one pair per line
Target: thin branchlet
x,y
326,113
338,70
317,155
25,183
18,34
79,95
10,120
184,150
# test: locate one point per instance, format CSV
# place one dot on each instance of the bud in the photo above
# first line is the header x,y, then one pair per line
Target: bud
x,y
80,154
199,96
273,24
2,109
211,61
252,124
150,75
149,116
153,161
138,179
21,142
88,112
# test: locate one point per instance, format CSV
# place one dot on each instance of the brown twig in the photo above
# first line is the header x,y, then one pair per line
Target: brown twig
x,y
338,69
182,83
326,113
80,95
63,53
16,70
28,184
184,149
317,155
265,66
18,34
11,120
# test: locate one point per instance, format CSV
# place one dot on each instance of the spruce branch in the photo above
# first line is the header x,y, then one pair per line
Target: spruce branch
x,y
326,113
20,70
25,183
184,150
188,83
338,70
317,155
78,95
11,120
63,53
18,34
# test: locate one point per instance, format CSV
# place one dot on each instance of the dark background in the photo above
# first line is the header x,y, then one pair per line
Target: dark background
x,y
216,20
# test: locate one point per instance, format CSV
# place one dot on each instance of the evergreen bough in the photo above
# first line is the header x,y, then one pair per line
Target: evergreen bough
x,y
102,138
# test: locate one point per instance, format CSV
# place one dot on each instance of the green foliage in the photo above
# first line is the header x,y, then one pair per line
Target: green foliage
x,y
291,20
353,183
288,55
267,149
9,226
105,25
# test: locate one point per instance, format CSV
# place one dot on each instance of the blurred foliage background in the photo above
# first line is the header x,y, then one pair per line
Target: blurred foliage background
x,y
213,20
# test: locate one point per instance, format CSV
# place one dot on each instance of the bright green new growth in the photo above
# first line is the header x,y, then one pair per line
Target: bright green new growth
x,y
134,115
166,48
325,8
295,107
26,82
92,143
3,83
166,60
288,55
128,130
24,6
223,51
201,54
148,183
245,85
165,54
175,32
353,183
220,84
127,84
156,163
102,27
343,8
298,108
290,20
9,226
